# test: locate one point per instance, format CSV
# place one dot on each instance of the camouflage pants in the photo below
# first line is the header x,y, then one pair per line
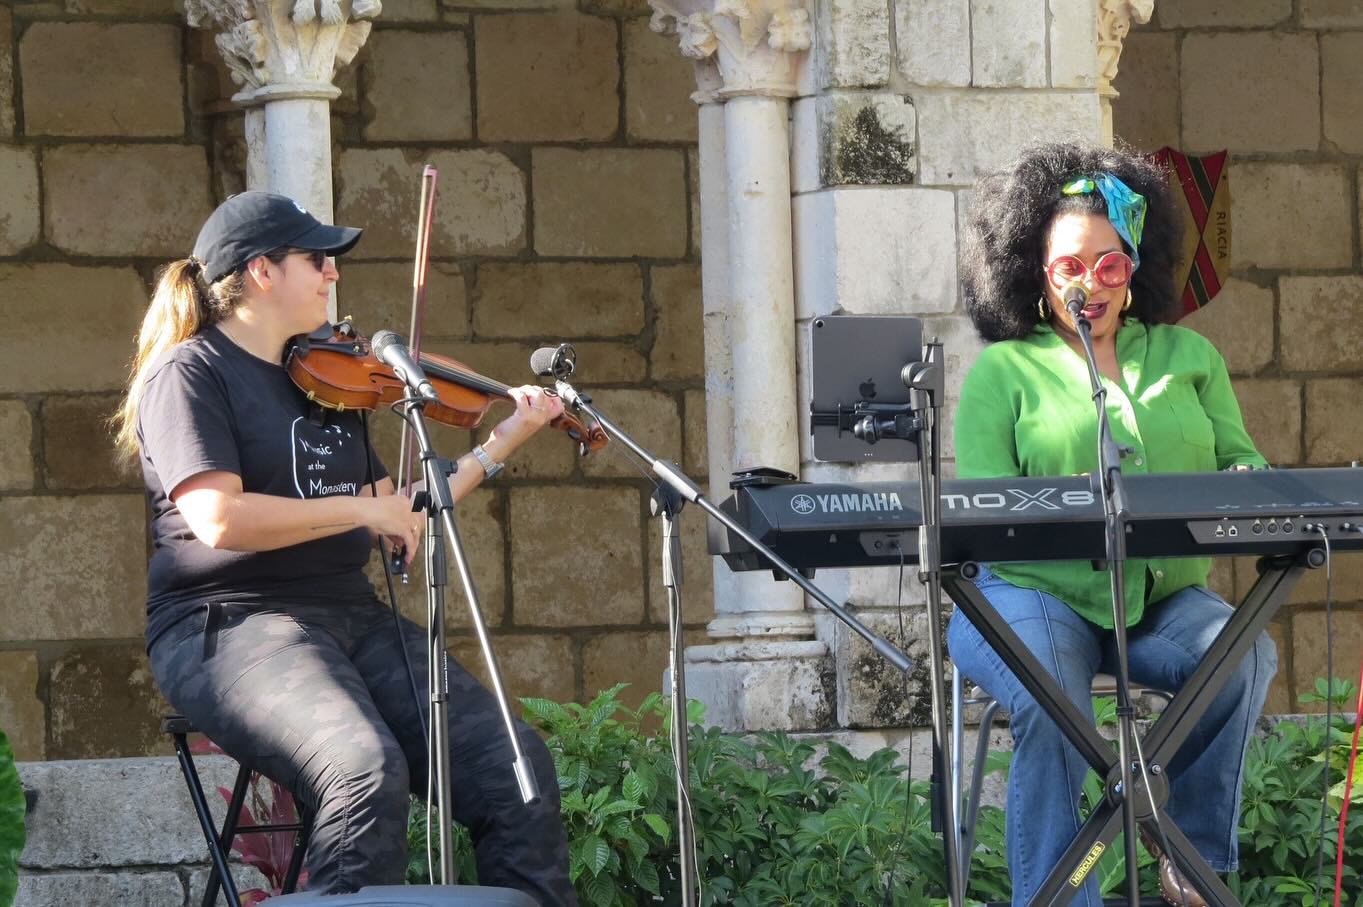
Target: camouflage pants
x,y
317,698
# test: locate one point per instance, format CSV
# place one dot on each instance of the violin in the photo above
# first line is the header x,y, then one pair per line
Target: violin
x,y
336,368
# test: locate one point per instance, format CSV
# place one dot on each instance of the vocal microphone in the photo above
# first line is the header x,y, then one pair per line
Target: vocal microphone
x,y
554,361
389,349
1075,297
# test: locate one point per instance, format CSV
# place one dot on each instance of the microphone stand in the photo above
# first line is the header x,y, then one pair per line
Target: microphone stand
x,y
1115,515
676,489
438,503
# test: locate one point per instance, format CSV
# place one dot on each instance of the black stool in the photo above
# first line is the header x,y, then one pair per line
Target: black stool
x,y
220,843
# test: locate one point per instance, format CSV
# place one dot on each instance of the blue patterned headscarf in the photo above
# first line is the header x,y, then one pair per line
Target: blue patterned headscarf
x,y
1125,208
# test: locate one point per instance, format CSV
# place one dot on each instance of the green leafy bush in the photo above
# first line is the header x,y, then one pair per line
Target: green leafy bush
x,y
11,823
781,822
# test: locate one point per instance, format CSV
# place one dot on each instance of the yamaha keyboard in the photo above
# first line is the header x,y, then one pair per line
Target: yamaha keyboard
x,y
1257,512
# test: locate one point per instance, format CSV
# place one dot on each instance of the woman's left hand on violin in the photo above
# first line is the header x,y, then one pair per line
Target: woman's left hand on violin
x,y
536,407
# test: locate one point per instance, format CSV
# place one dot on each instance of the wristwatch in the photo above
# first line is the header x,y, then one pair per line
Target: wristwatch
x,y
490,466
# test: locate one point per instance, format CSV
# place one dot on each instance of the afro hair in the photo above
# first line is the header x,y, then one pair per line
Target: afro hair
x,y
1003,259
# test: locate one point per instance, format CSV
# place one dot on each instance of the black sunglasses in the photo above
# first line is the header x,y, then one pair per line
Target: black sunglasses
x,y
316,256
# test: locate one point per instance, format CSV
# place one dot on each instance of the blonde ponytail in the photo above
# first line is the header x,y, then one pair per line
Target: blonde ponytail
x,y
180,308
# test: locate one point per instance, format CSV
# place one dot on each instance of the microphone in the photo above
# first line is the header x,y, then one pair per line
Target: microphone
x,y
1075,298
553,361
390,350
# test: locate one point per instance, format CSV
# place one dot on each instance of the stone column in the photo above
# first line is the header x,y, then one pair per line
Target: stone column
x,y
283,54
1114,23
765,669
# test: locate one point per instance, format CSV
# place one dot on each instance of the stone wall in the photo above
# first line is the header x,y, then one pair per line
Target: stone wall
x,y
1276,83
564,138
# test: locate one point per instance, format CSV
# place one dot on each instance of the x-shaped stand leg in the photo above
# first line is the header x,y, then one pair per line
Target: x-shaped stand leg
x,y
1277,577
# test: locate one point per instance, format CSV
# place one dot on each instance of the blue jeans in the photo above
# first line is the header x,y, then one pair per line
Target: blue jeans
x,y
1047,773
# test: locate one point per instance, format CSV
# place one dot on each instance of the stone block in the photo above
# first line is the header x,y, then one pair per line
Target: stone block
x,y
499,5
417,86
694,428
1341,73
693,200
106,813
538,300
651,417
102,79
16,446
546,77
860,139
1334,421
49,307
678,337
1074,44
697,591
6,71
1239,323
658,86
408,11
962,136
481,209
933,38
565,577
1291,216
638,659
105,705
776,686
1215,14
1320,324
22,715
379,295
1271,408
20,209
615,7
1283,115
804,145
99,591
609,203
1146,113
125,200
875,251
872,693
140,8
851,48
531,666
129,889
78,445
1007,44
1331,13
598,361
1308,649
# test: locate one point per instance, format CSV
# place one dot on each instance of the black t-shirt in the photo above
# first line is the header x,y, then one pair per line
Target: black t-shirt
x,y
210,405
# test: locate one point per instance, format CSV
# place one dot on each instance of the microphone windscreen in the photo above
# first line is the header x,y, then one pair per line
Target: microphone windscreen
x,y
542,361
1074,294
382,340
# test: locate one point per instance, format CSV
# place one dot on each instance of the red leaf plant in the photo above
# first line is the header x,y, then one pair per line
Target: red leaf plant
x,y
267,852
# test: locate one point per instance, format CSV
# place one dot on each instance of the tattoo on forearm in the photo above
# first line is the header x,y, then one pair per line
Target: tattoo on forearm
x,y
331,526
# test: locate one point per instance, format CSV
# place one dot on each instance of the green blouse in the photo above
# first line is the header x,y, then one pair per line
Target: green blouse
x,y
1026,410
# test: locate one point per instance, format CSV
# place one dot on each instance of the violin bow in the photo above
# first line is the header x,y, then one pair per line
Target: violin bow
x,y
420,264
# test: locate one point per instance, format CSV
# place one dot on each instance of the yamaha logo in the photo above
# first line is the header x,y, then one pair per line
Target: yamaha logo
x,y
855,502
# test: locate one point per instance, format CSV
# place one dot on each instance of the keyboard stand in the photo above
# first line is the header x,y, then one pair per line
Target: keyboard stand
x,y
1277,576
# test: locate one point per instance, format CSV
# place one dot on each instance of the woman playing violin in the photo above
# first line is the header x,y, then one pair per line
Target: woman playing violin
x,y
261,625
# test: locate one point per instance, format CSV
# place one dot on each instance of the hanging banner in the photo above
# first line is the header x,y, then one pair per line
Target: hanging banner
x,y
1201,189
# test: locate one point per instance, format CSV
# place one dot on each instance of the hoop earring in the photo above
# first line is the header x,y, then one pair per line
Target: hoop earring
x,y
1043,311
1126,305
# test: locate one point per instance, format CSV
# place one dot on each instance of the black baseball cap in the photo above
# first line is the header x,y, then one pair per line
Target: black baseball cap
x,y
253,223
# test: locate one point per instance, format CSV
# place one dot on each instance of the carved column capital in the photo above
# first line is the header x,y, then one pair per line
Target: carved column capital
x,y
1115,18
277,49
741,47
